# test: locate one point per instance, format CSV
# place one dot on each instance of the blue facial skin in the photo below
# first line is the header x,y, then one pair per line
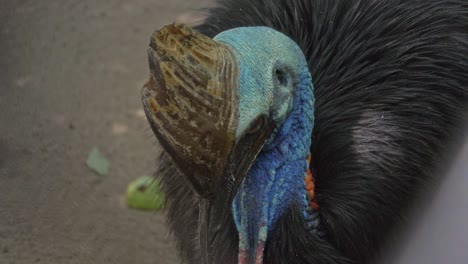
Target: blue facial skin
x,y
276,179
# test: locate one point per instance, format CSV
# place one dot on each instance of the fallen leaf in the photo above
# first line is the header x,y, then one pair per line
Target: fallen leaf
x,y
119,128
97,162
145,194
23,81
190,18
119,67
140,114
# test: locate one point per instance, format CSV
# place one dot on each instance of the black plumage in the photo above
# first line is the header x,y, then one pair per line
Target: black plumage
x,y
391,89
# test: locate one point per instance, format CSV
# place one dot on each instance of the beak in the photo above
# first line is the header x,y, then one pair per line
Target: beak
x,y
191,103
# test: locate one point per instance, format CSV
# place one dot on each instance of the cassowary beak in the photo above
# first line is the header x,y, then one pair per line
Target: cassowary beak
x,y
191,102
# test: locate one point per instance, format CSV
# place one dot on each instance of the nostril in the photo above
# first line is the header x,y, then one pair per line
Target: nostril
x,y
258,124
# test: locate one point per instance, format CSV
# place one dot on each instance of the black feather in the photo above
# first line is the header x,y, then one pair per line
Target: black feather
x,y
391,88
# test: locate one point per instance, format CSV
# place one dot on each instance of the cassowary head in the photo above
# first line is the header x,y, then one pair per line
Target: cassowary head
x,y
235,113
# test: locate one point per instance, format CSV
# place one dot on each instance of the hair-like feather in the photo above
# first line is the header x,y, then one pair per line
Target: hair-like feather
x,y
391,90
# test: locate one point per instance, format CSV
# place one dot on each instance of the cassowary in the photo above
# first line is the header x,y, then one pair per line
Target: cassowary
x,y
299,131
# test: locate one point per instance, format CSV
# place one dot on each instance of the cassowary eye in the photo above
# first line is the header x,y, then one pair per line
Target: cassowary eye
x,y
258,124
282,77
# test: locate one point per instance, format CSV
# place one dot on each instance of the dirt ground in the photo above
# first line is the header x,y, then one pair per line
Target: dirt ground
x,y
70,79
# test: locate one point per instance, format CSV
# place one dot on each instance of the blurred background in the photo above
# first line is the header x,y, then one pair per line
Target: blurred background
x,y
70,80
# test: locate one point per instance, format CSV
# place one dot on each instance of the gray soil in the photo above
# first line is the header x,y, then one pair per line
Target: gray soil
x,y
70,79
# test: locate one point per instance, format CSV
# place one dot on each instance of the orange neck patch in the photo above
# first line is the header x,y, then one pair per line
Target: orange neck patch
x,y
310,186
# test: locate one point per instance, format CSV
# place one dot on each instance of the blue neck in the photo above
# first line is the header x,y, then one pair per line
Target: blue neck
x,y
276,180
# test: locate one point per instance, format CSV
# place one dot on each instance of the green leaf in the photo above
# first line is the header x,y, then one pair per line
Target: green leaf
x,y
97,162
